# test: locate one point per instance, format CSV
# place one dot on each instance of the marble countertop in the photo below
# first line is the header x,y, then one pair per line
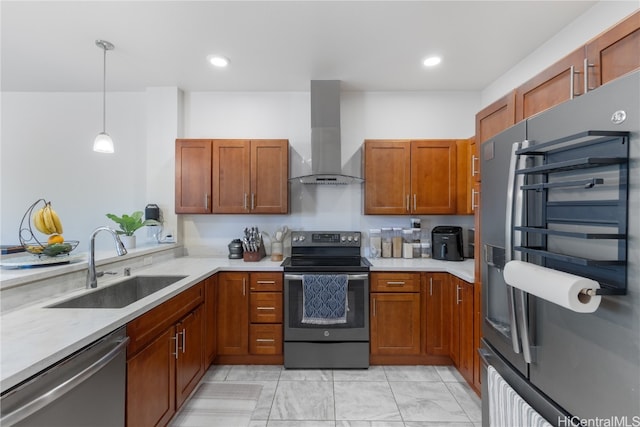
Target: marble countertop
x,y
36,337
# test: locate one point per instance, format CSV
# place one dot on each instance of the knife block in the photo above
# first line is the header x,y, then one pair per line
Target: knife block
x,y
254,256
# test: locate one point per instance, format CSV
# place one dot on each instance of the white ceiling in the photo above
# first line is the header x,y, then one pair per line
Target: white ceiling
x,y
273,46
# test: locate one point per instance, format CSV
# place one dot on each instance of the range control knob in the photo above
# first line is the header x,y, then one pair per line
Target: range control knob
x,y
350,238
356,238
343,238
302,238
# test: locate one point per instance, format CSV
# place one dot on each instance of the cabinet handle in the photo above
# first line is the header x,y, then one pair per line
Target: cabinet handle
x,y
474,171
265,340
474,206
253,201
266,282
586,75
395,283
415,206
265,308
374,307
430,286
572,73
175,338
206,201
458,300
184,339
408,207
244,286
245,201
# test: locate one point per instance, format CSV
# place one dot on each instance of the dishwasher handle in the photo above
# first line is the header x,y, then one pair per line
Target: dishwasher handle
x,y
55,393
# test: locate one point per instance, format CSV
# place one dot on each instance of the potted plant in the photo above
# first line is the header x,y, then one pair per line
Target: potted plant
x,y
128,225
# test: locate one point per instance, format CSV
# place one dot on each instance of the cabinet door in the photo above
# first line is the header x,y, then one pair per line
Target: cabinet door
x,y
193,176
210,330
269,177
233,314
464,178
395,323
467,349
438,314
433,177
190,366
387,177
558,83
614,52
231,186
151,382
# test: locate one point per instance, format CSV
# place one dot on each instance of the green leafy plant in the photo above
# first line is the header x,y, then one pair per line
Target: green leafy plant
x,y
130,223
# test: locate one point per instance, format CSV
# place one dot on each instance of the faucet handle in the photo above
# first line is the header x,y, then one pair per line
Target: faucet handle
x,y
127,271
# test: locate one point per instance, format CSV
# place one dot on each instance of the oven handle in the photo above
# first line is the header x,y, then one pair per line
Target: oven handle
x,y
349,276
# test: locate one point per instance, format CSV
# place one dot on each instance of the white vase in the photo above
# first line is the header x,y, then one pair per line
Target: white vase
x,y
129,242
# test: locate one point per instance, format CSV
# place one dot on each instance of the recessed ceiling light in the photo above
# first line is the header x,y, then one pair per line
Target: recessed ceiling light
x,y
218,61
431,61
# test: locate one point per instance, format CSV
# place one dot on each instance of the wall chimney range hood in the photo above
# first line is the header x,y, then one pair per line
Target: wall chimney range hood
x,y
326,161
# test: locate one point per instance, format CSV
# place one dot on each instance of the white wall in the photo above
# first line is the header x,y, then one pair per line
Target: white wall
x,y
600,17
367,115
46,151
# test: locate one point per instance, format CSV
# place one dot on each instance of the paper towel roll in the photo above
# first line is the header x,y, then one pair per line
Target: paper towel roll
x,y
554,286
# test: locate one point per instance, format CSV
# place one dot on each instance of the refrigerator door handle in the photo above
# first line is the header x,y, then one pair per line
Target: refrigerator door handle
x,y
508,233
523,323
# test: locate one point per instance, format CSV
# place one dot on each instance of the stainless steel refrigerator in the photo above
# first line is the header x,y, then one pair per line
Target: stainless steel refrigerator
x,y
576,209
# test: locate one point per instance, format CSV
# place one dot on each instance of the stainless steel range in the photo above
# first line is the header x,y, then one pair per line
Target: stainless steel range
x,y
326,301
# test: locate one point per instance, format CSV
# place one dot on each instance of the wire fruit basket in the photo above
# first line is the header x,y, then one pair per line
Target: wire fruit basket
x,y
33,245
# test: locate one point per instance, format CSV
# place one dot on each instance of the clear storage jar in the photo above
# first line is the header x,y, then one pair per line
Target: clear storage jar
x,y
397,242
375,243
387,242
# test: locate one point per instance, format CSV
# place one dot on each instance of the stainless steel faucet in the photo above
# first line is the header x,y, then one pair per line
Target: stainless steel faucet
x,y
92,276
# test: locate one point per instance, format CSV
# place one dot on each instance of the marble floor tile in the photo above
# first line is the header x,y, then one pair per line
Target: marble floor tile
x,y
436,424
216,373
200,419
303,400
374,373
449,374
306,375
427,401
468,399
254,373
411,373
346,423
370,401
281,423
265,400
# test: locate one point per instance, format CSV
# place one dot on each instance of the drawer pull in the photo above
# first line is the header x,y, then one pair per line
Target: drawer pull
x,y
395,283
266,308
266,282
265,340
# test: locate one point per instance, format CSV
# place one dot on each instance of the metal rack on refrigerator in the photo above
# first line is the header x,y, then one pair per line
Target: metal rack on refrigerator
x,y
579,184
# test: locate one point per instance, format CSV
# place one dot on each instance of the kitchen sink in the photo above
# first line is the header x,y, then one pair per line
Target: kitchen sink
x,y
120,294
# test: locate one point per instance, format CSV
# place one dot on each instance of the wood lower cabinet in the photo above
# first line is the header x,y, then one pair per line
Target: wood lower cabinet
x,y
165,358
233,313
210,310
410,177
249,318
438,313
395,314
462,316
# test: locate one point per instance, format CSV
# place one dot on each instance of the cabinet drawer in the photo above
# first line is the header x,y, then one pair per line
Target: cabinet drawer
x,y
265,339
395,282
265,307
268,282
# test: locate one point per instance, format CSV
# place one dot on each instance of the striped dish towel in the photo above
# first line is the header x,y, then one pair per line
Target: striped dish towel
x,y
507,408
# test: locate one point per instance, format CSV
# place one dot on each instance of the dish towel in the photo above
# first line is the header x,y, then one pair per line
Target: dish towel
x,y
506,407
324,298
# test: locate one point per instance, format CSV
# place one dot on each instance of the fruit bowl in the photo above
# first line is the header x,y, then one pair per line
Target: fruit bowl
x,y
53,249
52,246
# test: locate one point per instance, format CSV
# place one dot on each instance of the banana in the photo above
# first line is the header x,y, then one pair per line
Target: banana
x,y
49,223
56,220
38,221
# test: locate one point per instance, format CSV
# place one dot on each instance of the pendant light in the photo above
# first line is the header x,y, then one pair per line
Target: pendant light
x,y
103,142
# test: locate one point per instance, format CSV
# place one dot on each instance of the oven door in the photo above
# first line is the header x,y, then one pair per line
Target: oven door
x,y
355,329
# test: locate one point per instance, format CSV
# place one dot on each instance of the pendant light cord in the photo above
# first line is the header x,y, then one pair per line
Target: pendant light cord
x,y
104,90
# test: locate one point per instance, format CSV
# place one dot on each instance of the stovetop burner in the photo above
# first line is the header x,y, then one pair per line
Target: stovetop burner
x,y
325,251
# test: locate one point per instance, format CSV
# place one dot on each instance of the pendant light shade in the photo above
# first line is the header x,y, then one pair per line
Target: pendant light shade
x,y
103,142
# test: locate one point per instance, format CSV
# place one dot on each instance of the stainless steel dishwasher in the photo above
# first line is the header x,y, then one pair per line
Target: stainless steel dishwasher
x,y
85,389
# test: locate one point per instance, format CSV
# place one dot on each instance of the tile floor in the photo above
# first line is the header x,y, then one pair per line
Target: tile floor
x,y
381,396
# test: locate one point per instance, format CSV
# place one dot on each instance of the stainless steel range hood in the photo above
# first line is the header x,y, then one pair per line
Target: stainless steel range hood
x,y
326,161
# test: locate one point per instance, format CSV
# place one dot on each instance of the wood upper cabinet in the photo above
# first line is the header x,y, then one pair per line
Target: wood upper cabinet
x,y
233,313
466,165
232,176
614,52
438,313
410,177
494,118
387,184
250,176
558,83
395,314
193,176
